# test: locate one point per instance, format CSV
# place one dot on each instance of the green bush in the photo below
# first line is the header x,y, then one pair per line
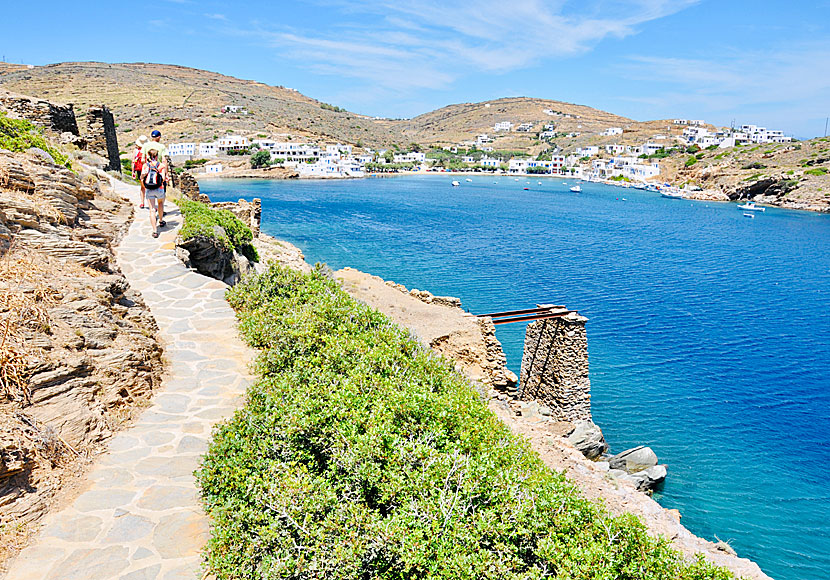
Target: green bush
x,y
691,161
189,163
18,135
200,219
816,171
260,159
362,454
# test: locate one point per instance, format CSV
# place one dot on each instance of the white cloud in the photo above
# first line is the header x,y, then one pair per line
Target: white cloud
x,y
431,43
785,83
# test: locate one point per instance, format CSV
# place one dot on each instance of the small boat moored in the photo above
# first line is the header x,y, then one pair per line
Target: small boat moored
x,y
750,206
456,183
576,189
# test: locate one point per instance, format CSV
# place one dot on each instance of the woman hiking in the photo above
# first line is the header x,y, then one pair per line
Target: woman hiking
x,y
153,179
138,164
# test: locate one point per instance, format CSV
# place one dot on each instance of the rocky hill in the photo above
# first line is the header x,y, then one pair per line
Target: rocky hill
x,y
186,103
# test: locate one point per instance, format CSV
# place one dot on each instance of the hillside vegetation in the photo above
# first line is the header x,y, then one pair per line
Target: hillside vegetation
x,y
361,454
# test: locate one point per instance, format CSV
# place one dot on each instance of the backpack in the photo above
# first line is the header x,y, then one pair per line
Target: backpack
x,y
153,179
137,160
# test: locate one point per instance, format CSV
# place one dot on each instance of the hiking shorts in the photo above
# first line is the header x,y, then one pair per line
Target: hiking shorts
x,y
154,193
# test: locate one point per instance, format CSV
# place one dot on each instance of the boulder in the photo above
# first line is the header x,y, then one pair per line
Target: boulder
x,y
588,438
634,459
648,479
209,258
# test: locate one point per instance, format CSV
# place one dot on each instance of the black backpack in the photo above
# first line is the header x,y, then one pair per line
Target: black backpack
x,y
153,179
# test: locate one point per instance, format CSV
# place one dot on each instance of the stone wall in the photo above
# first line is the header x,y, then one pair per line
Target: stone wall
x,y
101,137
57,119
249,213
555,367
185,183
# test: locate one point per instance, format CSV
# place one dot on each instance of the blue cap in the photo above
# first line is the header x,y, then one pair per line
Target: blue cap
x,y
155,134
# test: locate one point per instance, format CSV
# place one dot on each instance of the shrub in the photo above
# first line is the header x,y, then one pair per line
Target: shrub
x,y
260,159
362,454
18,135
691,161
194,162
754,165
816,171
200,219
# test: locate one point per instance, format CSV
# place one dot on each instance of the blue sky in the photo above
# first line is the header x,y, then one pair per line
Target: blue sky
x,y
764,62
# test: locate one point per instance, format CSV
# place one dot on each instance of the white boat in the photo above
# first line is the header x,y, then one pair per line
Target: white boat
x,y
672,194
749,215
468,179
750,206
640,186
576,189
455,183
540,183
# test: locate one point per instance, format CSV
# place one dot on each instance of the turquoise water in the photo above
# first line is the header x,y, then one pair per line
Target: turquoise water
x,y
708,332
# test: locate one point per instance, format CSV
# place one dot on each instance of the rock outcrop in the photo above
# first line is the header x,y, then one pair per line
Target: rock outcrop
x,y
79,354
210,258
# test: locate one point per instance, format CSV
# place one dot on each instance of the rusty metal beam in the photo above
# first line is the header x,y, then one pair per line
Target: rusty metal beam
x,y
540,316
545,308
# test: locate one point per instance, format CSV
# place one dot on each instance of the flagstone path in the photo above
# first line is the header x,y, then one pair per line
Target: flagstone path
x,y
140,516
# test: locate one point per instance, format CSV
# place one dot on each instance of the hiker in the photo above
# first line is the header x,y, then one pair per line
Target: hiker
x,y
138,164
154,178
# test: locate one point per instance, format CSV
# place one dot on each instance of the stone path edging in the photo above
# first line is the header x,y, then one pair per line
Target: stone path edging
x,y
140,516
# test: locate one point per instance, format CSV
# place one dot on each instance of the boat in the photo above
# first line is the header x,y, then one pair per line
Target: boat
x,y
749,215
750,206
468,179
540,183
640,186
576,189
526,188
455,183
672,193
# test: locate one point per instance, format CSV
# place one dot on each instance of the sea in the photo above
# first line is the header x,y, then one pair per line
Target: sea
x,y
708,331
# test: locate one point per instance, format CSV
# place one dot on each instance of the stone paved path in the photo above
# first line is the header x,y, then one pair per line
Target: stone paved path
x,y
140,516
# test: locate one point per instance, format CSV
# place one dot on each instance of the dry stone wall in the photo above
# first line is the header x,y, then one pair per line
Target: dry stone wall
x,y
55,118
555,367
101,137
248,212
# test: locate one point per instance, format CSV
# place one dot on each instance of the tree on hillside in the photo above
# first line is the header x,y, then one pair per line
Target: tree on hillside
x,y
260,159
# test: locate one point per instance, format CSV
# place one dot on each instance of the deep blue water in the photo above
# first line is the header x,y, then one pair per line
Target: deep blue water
x,y
709,333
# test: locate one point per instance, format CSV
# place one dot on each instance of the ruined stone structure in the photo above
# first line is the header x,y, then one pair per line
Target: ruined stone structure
x,y
249,213
101,137
57,119
185,183
555,367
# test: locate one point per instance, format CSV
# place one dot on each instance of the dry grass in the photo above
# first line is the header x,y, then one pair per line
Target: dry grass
x,y
26,291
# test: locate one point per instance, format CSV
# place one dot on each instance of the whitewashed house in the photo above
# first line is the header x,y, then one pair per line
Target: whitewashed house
x,y
615,149
517,166
295,152
503,126
181,149
611,131
215,167
525,127
411,157
468,159
207,149
232,143
490,162
588,151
